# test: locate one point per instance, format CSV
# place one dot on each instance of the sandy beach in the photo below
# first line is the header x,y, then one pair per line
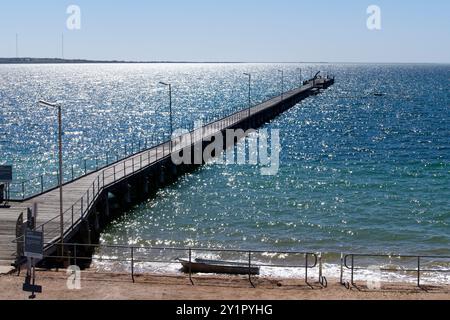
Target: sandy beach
x,y
96,286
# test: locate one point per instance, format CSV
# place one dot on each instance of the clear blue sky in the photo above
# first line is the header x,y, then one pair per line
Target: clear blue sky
x,y
230,30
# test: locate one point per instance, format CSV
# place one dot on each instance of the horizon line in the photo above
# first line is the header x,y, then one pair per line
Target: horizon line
x,y
33,60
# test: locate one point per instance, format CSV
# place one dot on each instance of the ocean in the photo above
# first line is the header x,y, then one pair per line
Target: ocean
x,y
364,166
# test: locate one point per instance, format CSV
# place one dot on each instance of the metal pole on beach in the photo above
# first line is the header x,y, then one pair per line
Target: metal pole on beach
x,y
60,178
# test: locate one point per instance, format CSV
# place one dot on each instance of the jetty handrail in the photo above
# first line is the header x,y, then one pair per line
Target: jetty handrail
x,y
80,169
416,258
87,200
100,182
86,166
81,208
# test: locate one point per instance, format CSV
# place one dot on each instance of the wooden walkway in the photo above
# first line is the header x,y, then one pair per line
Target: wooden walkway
x,y
80,194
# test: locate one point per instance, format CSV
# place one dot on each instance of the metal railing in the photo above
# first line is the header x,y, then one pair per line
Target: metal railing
x,y
79,210
132,256
108,176
118,171
348,263
29,188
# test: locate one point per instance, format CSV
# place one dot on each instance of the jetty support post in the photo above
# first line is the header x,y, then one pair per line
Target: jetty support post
x,y
107,210
75,254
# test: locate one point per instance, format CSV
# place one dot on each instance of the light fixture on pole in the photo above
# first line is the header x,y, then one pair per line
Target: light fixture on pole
x,y
170,109
60,182
249,91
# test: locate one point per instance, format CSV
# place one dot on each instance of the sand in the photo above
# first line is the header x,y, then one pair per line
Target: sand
x,y
96,286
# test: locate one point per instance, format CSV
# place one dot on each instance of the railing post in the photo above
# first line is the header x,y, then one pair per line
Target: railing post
x,y
23,190
320,266
418,272
42,183
132,264
81,207
73,172
114,170
72,218
190,266
353,270
306,268
250,268
322,279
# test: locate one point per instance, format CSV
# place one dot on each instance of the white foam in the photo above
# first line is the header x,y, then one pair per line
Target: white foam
x,y
331,271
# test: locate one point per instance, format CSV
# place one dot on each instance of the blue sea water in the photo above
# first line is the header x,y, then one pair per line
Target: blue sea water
x,y
365,166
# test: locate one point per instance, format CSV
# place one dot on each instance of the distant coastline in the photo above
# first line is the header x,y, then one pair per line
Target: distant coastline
x,y
28,60
70,61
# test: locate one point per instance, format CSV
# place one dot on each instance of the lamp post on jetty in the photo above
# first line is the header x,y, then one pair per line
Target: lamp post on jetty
x,y
60,182
300,76
249,91
170,109
282,83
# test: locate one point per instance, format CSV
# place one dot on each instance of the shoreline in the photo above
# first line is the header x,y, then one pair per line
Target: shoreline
x,y
331,270
116,286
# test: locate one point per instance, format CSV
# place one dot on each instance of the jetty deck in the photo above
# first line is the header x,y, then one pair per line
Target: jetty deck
x,y
81,196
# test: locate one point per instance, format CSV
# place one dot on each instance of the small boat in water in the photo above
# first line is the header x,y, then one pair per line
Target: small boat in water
x,y
218,267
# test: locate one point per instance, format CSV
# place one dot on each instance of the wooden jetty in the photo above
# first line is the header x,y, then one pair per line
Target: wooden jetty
x,y
92,201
